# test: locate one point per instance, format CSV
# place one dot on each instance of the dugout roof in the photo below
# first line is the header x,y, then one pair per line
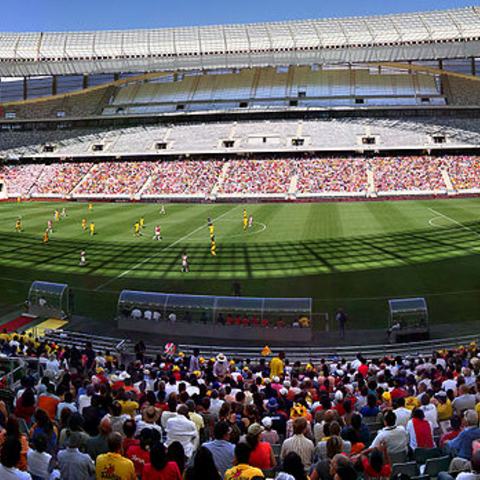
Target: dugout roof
x,y
451,33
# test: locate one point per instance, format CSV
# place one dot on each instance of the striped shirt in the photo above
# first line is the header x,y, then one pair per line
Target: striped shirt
x,y
300,445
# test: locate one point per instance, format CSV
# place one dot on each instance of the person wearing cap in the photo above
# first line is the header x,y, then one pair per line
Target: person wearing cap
x,y
221,367
261,455
279,417
297,411
150,417
221,448
242,470
394,436
74,464
269,435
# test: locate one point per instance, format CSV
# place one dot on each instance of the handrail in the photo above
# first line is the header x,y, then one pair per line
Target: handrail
x,y
310,353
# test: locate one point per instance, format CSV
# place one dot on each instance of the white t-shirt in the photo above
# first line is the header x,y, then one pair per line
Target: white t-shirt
x,y
38,463
13,474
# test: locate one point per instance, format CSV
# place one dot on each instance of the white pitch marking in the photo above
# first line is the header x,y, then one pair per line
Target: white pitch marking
x,y
432,223
455,221
126,272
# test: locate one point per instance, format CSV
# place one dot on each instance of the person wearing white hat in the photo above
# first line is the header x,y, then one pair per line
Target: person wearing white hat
x,y
269,435
221,367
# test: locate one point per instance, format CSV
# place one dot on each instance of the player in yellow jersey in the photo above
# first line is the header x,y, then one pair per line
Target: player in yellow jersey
x,y
136,229
92,229
245,223
18,226
45,237
57,215
142,222
90,206
211,227
213,247
84,223
245,213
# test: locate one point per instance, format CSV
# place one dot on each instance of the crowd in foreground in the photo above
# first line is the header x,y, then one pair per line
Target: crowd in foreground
x,y
173,416
271,175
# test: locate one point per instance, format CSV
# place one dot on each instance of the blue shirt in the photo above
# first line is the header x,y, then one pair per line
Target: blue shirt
x,y
223,453
463,443
367,411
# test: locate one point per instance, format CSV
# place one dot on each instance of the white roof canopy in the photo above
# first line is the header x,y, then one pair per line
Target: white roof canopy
x,y
133,50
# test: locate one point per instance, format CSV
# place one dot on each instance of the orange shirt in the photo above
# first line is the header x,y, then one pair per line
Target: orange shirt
x,y
49,404
22,463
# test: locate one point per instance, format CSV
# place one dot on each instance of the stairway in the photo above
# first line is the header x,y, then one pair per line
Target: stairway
x,y
221,178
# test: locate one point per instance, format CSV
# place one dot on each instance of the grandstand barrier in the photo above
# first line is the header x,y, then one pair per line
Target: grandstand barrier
x,y
201,316
46,299
305,353
408,319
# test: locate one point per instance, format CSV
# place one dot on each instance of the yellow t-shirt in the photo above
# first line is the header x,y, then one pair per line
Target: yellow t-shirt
x,y
5,336
445,411
411,403
243,472
129,407
276,367
113,466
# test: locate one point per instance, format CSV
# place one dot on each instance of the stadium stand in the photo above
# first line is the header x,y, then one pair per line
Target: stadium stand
x,y
21,178
303,175
322,135
184,177
60,178
257,176
402,174
116,178
346,175
85,401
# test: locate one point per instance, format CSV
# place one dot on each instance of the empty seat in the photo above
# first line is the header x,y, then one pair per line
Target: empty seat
x,y
409,468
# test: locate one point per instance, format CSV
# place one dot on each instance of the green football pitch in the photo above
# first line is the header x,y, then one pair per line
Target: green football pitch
x,y
354,255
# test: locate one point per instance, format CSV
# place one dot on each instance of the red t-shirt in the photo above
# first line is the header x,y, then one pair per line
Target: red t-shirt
x,y
139,458
385,472
170,472
260,457
363,369
128,442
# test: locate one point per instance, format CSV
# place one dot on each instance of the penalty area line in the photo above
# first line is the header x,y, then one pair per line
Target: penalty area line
x,y
455,221
126,272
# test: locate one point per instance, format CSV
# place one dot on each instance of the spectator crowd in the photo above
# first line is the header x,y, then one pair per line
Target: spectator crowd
x,y
244,176
175,416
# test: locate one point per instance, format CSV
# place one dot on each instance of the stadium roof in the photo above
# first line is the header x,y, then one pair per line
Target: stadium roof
x,y
427,35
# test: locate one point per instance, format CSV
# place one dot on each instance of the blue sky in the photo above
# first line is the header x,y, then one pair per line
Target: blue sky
x,y
64,15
